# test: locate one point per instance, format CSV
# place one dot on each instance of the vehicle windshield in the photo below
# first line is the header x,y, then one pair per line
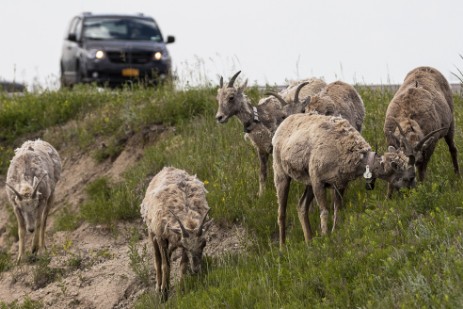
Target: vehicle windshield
x,y
121,28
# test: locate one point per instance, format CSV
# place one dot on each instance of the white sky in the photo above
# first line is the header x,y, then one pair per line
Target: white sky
x,y
271,41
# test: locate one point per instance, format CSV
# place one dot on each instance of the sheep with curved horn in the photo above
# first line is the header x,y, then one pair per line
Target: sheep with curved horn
x,y
419,114
175,211
327,151
31,180
259,121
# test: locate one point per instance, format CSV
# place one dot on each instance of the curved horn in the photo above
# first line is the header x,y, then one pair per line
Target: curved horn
x,y
279,97
37,185
298,89
221,81
232,80
428,136
14,190
184,231
200,230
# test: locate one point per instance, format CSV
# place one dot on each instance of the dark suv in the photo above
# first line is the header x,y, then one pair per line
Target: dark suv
x,y
114,49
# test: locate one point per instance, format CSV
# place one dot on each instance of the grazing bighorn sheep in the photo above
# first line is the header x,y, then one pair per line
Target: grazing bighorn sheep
x,y
419,114
31,179
175,211
259,122
326,151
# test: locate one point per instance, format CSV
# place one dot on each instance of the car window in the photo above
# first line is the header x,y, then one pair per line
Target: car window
x,y
121,29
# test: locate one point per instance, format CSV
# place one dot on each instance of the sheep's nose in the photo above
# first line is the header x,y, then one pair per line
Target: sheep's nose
x,y
31,230
219,118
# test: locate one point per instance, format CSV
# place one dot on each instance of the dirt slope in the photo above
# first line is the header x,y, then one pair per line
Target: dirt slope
x,y
90,267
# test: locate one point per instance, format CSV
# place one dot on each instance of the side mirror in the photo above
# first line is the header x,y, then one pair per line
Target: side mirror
x,y
170,39
72,37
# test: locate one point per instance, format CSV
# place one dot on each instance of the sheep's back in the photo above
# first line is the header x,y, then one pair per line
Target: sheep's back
x,y
173,190
340,99
313,88
314,145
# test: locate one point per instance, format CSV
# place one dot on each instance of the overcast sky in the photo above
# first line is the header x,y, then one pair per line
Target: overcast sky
x,y
270,41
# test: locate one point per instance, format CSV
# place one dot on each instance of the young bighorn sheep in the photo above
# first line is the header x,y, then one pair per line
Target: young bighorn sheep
x,y
175,211
419,114
259,122
31,179
326,151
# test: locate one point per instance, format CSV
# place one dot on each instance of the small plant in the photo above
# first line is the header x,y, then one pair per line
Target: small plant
x,y
42,274
26,304
139,262
5,261
66,220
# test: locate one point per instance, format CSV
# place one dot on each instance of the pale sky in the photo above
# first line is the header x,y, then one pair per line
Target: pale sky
x,y
270,41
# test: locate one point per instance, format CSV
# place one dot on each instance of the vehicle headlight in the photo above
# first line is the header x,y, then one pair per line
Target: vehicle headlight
x,y
157,56
99,54
95,54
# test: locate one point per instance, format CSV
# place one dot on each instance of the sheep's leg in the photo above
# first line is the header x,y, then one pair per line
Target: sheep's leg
x,y
165,269
338,194
320,195
44,223
157,261
282,183
263,159
183,264
303,212
453,149
21,234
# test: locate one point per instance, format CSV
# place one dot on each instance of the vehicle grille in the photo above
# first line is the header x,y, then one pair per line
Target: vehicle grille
x,y
130,57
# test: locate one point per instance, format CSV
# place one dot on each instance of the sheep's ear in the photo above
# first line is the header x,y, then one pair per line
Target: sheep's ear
x,y
391,149
428,142
244,85
176,230
221,81
305,104
207,225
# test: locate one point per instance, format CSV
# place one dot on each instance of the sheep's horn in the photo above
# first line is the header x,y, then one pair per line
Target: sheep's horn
x,y
232,80
221,81
184,231
428,136
200,230
37,185
279,97
298,89
14,190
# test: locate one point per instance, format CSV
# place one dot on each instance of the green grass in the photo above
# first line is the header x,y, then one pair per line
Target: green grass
x,y
405,252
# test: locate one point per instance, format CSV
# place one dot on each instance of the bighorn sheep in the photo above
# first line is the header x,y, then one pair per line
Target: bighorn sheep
x,y
175,211
326,151
259,122
419,114
31,179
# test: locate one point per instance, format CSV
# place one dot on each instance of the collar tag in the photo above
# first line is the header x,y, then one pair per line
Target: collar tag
x,y
367,174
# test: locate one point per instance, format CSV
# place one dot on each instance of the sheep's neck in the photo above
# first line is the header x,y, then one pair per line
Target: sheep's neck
x,y
245,114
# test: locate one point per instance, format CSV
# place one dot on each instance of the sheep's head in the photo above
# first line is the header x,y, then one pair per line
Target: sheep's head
x,y
193,240
296,105
412,140
398,168
26,201
230,99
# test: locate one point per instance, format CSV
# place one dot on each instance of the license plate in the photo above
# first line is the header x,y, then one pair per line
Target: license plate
x,y
130,72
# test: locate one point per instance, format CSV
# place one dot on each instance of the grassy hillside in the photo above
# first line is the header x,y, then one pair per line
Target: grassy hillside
x,y
405,252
